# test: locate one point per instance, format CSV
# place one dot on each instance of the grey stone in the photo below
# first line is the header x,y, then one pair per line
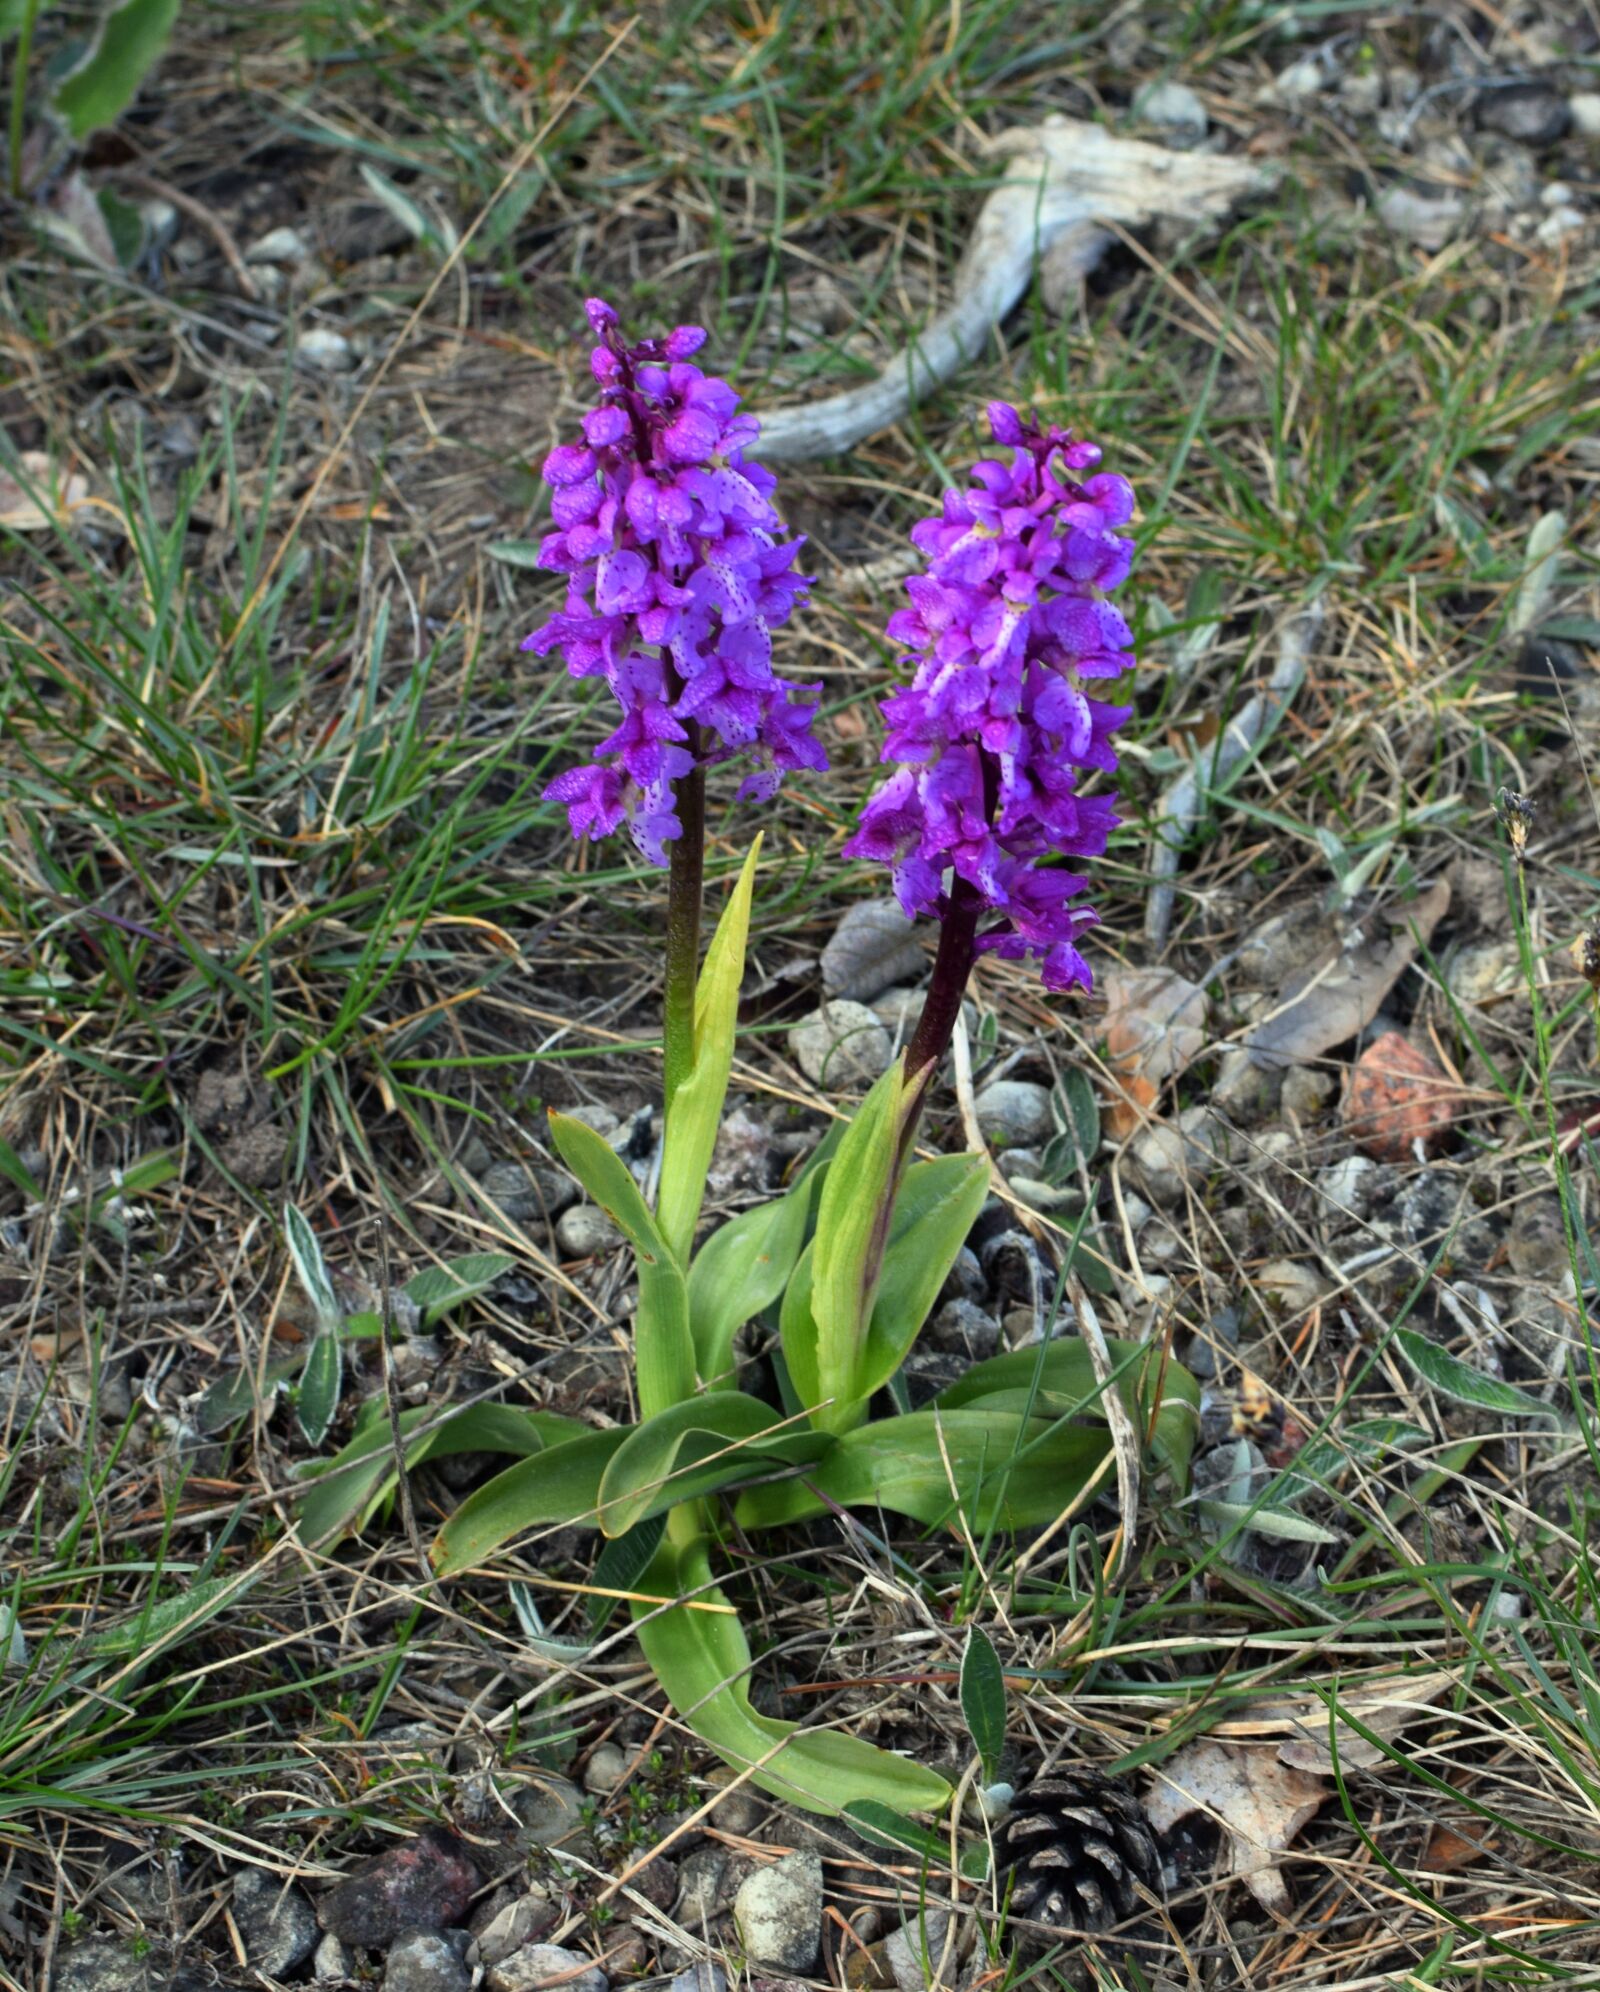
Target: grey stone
x,y
1221,1332
1170,1157
523,1190
913,1953
1425,219
605,1768
962,1328
704,1975
1302,79
1306,1091
1349,1184
426,1883
874,946
1361,91
741,1809
1537,1246
536,1965
327,350
1558,224
102,1964
1244,1090
550,1811
330,1961
425,1961
1014,1162
1175,107
1485,974
1013,1113
605,1122
585,1232
778,1911
1288,1289
705,1887
1583,107
841,1045
520,1922
965,1280
277,1925
1531,113
278,245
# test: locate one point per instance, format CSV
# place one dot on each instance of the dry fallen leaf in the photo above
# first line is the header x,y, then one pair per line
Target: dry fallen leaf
x,y
1448,1850
36,484
1398,1096
1155,1026
1384,1707
1341,991
1261,1802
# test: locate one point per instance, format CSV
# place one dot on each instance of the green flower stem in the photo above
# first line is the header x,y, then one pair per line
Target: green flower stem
x,y
685,890
19,82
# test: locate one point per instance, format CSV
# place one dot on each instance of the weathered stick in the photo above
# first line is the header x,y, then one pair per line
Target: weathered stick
x,y
1065,178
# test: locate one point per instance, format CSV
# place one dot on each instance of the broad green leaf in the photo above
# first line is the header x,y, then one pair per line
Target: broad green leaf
x,y
436,1289
317,1396
620,1566
933,1213
1461,1381
983,1700
347,1489
561,1485
853,1225
185,1613
311,1269
742,1268
694,1448
1323,1460
102,82
663,1352
880,1827
235,1395
694,1111
702,1660
1059,1381
996,1467
1278,1523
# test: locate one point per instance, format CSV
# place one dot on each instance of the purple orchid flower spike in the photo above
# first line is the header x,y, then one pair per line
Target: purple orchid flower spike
x,y
995,732
678,571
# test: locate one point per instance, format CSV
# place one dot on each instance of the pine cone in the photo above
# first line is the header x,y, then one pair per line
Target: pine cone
x,y
1076,1844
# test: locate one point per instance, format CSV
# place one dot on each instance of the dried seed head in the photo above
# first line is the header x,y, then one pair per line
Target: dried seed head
x,y
1516,813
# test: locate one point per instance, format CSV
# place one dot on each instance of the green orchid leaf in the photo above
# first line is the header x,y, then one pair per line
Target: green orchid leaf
x,y
933,1213
693,1449
996,1467
311,1269
663,1351
694,1110
347,1489
702,1660
853,1225
1059,1381
436,1289
741,1269
983,1700
560,1484
101,83
316,1397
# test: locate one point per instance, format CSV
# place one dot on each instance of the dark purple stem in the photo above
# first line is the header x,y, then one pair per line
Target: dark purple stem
x,y
958,950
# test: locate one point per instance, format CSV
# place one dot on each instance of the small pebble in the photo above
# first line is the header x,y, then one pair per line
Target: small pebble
x,y
278,245
1013,1113
704,1975
604,1770
520,1922
741,1808
778,1911
962,1328
585,1232
1583,107
424,1961
426,1883
1349,1184
331,1962
1531,113
276,1924
703,1888
550,1812
1537,1247
535,1965
1306,1091
965,1280
914,1952
1300,80
1176,108
329,350
1288,1289
840,1046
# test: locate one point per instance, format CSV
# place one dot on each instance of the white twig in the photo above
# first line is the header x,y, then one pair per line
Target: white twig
x,y
1063,177
1124,1439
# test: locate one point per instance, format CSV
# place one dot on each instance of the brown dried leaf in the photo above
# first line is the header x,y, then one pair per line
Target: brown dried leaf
x,y
1384,1707
1155,1027
1341,991
1261,1802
